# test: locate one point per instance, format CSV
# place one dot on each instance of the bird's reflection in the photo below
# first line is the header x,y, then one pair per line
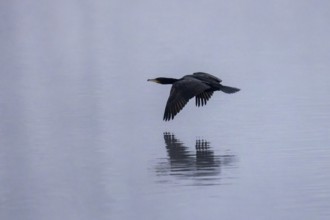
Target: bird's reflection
x,y
199,167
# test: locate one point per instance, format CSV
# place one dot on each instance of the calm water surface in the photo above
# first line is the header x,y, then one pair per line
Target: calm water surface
x,y
81,132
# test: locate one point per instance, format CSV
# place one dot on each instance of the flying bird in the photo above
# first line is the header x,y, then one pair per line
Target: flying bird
x,y
199,85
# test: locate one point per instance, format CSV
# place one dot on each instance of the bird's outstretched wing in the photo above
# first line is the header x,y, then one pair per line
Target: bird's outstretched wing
x,y
180,94
206,76
203,97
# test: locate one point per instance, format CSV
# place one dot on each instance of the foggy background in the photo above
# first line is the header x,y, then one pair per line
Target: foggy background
x,y
81,131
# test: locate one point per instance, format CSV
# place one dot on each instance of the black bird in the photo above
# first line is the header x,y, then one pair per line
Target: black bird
x,y
201,85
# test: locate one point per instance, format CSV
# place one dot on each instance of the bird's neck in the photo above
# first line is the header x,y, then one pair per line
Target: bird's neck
x,y
164,80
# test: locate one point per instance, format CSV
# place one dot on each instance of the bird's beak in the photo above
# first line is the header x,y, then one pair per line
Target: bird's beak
x,y
153,80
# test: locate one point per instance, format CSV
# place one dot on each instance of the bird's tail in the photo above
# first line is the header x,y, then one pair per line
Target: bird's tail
x,y
228,89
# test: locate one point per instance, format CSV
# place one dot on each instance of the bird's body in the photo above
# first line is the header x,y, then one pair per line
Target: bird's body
x,y
199,85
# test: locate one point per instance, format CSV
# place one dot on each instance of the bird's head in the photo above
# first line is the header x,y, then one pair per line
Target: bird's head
x,y
163,80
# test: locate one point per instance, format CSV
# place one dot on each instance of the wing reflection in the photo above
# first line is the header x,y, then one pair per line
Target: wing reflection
x,y
199,167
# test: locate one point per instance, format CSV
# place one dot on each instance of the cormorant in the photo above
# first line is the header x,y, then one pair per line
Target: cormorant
x,y
201,85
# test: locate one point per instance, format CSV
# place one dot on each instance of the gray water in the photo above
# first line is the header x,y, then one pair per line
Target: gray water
x,y
81,132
